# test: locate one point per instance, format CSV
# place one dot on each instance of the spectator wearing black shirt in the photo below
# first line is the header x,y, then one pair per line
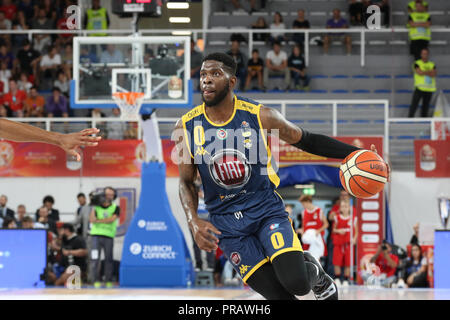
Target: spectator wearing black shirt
x,y
240,59
416,269
356,9
73,253
300,23
384,8
53,214
4,210
260,24
255,68
296,64
27,59
415,236
41,41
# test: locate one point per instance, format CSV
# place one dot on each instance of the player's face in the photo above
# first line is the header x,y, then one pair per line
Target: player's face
x,y
215,82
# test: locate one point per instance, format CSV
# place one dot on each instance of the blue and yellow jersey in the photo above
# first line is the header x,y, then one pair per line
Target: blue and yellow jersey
x,y
233,158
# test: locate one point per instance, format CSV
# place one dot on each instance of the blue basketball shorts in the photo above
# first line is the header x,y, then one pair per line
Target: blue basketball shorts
x,y
250,239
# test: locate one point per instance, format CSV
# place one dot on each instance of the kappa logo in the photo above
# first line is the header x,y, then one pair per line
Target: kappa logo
x,y
235,258
201,151
243,269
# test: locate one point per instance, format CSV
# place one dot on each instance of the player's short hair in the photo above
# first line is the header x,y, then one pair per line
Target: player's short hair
x,y
305,198
227,60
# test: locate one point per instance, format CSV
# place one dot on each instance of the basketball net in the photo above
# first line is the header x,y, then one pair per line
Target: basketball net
x,y
129,103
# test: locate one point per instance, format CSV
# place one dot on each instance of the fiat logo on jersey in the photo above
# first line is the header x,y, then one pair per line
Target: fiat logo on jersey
x,y
229,168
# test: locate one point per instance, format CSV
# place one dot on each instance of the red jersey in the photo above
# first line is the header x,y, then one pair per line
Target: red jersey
x,y
341,222
381,262
312,219
62,25
15,101
9,11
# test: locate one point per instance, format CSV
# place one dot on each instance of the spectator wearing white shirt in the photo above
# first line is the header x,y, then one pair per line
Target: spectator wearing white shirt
x,y
277,24
23,83
276,64
50,63
5,75
5,24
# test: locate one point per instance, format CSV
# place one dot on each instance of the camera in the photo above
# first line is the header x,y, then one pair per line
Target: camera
x,y
384,246
97,198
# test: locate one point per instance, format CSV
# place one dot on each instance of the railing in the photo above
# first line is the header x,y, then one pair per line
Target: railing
x,y
249,32
281,105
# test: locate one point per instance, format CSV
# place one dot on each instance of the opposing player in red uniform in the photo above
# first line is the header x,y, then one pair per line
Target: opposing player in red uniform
x,y
313,218
20,132
342,242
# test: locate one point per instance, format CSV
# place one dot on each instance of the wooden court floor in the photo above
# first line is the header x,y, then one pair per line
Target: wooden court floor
x,y
351,293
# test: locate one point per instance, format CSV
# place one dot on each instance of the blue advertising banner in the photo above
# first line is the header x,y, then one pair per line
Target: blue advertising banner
x,y
155,253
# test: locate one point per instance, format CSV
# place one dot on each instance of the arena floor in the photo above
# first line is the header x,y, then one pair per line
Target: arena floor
x,y
350,293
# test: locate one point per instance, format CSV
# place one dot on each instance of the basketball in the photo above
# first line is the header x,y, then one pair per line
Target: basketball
x,y
363,173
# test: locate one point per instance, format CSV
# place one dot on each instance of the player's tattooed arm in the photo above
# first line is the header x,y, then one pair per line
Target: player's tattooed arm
x,y
201,229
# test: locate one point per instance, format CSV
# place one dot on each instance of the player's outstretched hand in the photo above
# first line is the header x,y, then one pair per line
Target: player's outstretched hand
x,y
72,141
374,149
203,236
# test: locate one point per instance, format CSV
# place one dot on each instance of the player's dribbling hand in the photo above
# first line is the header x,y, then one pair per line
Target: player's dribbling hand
x,y
374,149
72,141
203,237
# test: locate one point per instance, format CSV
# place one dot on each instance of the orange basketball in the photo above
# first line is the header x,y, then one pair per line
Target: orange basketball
x,y
363,173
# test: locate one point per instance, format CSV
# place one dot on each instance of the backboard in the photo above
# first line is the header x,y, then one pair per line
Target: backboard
x,y
157,66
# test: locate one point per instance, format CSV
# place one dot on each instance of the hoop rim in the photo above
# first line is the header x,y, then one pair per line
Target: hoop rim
x,y
129,97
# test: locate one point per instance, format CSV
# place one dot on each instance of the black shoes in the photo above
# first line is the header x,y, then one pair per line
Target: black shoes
x,y
325,288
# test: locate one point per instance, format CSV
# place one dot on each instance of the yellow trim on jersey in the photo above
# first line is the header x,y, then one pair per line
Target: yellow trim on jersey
x,y
186,139
273,177
226,122
244,279
248,106
279,196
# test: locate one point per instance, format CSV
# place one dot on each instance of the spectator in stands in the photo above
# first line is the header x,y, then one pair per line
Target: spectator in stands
x,y
27,7
260,24
27,223
277,24
416,268
20,23
337,22
297,66
238,6
24,84
56,105
96,18
21,214
6,56
34,104
342,242
87,57
412,5
419,23
424,84
4,210
103,221
415,236
111,55
41,41
9,9
62,83
67,60
300,23
74,253
5,23
44,222
61,24
14,99
51,8
116,130
356,9
53,214
9,223
196,61
276,64
385,9
50,64
240,60
255,68
27,59
387,263
5,75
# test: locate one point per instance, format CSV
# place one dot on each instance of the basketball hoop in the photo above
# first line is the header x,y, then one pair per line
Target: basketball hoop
x,y
129,103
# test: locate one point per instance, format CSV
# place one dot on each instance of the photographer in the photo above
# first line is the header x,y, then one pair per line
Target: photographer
x,y
103,219
387,262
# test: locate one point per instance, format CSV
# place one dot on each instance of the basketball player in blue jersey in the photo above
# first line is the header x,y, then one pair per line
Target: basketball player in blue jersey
x,y
224,139
21,132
